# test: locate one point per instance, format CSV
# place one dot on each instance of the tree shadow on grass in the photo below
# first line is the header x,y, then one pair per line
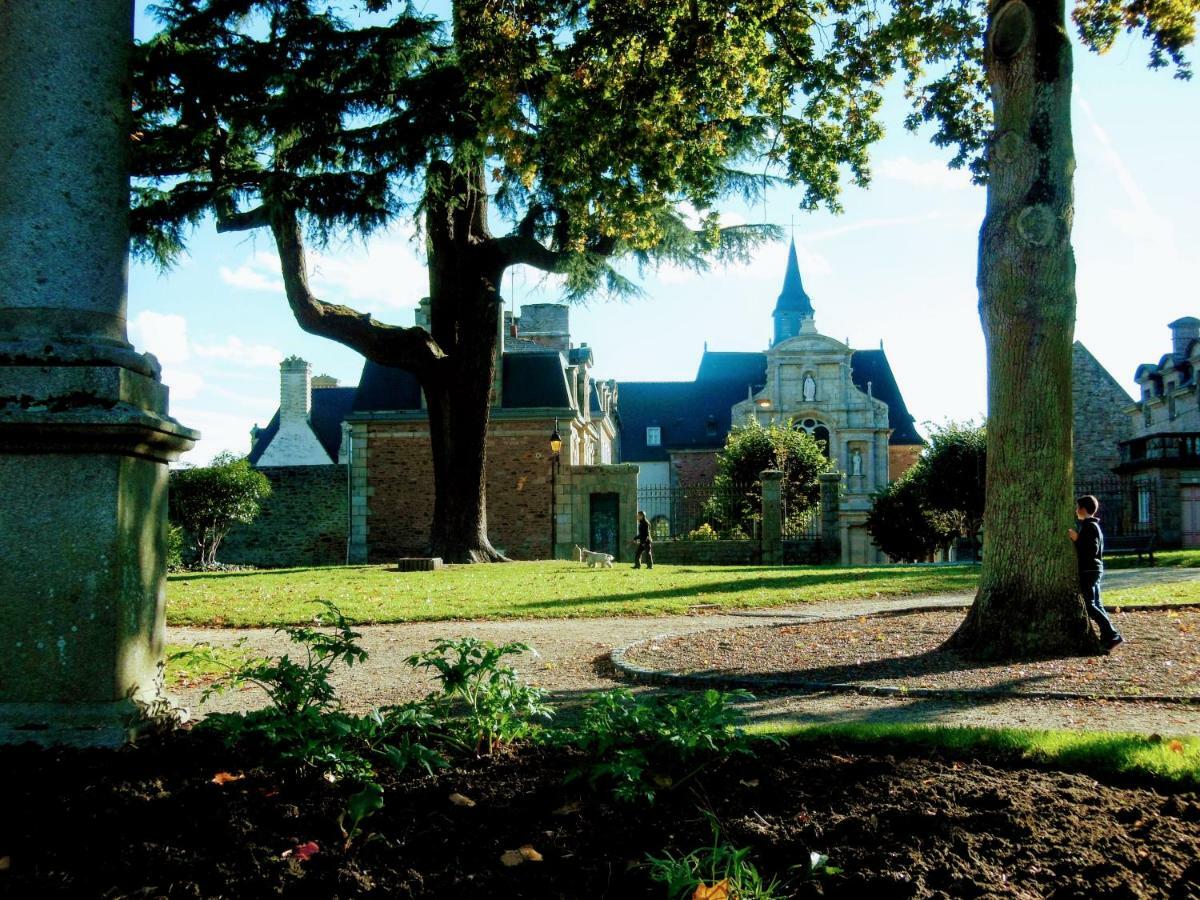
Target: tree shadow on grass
x,y
782,582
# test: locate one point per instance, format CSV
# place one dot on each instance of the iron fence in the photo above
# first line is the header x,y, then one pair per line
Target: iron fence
x,y
676,512
1127,506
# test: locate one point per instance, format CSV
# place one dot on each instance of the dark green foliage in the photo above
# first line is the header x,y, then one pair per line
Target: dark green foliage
x,y
304,726
749,451
496,707
639,745
206,501
174,546
940,498
902,526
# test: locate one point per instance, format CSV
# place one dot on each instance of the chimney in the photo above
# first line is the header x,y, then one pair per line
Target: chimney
x,y
421,319
1183,332
324,381
295,390
547,324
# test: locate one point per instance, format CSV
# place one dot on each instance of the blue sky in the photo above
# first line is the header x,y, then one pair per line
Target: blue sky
x,y
897,266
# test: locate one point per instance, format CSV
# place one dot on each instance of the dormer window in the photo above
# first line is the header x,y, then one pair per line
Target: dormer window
x,y
710,427
654,436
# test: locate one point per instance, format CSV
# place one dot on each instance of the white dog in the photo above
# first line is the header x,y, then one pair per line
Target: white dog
x,y
594,558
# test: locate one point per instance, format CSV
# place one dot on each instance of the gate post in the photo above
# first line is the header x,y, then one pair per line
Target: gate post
x,y
772,518
831,484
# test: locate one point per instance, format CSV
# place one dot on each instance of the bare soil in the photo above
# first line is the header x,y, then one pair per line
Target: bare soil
x,y
150,822
1161,656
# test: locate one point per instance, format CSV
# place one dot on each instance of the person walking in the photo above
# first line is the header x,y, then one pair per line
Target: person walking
x,y
1089,552
644,545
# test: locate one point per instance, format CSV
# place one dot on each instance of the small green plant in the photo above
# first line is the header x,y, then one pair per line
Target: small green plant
x,y
359,807
304,725
717,871
174,547
641,745
496,707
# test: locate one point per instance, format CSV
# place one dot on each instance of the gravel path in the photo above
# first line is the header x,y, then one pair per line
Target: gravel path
x,y
572,659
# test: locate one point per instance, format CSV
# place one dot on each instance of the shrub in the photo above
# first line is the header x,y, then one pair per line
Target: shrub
x,y
751,449
704,533
174,546
206,501
497,708
638,745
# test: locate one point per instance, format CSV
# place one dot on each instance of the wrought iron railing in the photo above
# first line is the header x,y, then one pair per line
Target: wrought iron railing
x,y
679,512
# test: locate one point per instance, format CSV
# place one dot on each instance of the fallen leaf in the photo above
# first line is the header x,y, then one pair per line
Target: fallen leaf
x,y
512,858
461,800
567,809
303,851
718,891
1175,746
530,854
5,863
750,782
227,777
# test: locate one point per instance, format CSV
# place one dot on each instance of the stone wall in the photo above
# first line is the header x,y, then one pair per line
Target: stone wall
x,y
708,553
394,478
810,552
1101,421
575,487
302,523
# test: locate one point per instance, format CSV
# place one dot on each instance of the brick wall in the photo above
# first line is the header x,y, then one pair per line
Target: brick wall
x,y
694,466
1100,419
901,458
399,485
302,523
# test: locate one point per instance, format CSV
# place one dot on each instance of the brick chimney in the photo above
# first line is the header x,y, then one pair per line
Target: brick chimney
x,y
295,390
547,324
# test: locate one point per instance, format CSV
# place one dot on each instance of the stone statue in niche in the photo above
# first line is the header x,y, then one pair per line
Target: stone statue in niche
x,y
810,387
856,462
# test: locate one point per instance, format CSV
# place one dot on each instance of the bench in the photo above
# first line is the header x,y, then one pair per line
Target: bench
x,y
1141,544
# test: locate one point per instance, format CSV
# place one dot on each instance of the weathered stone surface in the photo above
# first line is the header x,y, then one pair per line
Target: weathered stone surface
x,y
84,434
305,521
419,564
1101,418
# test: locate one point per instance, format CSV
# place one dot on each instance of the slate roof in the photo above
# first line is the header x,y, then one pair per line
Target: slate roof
x,y
873,366
532,379
684,409
793,297
329,407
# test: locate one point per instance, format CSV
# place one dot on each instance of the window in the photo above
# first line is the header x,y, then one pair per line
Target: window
x,y
1147,415
1171,407
654,436
710,427
1144,504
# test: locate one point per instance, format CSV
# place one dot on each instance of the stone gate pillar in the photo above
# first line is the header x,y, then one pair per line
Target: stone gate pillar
x,y
772,517
831,488
84,432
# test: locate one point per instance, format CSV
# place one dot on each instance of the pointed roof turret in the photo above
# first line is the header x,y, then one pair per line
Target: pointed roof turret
x,y
793,298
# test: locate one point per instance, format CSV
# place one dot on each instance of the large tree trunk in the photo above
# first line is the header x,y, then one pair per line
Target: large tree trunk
x,y
464,281
1028,602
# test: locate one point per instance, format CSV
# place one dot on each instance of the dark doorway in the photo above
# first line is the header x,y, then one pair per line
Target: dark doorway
x,y
605,523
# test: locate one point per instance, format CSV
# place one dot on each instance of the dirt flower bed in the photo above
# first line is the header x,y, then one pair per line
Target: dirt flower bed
x,y
163,821
1161,656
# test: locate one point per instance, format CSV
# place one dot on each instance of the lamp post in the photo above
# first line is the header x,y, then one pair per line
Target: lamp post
x,y
555,448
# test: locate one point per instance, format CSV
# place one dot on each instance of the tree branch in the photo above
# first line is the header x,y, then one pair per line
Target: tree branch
x,y
390,345
243,221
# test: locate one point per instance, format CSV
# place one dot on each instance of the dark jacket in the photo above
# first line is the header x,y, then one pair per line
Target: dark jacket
x,y
1089,547
643,531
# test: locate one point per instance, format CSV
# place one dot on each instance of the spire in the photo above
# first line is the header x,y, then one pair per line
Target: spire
x,y
793,298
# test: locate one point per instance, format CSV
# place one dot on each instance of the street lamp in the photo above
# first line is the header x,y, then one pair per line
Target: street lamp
x,y
555,448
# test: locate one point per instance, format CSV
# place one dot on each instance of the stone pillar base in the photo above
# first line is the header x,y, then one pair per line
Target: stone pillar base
x,y
83,477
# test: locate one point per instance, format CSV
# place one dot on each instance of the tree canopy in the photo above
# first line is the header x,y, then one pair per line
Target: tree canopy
x,y
206,501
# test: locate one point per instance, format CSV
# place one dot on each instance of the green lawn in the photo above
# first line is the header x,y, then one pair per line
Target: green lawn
x,y
1169,759
531,590
539,590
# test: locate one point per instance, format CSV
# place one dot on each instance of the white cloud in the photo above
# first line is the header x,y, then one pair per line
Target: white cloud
x,y
929,174
218,432
164,335
236,350
258,273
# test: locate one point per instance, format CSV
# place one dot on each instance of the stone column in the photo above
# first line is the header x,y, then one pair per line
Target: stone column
x,y
831,483
84,433
772,517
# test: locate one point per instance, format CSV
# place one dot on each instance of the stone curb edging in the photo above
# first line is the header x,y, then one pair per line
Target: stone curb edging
x,y
634,672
